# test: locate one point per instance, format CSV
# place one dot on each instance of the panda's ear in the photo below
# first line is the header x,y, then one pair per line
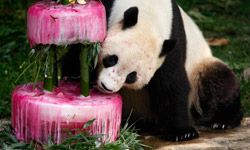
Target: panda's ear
x,y
130,17
167,46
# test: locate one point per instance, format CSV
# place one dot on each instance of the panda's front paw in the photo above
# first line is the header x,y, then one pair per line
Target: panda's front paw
x,y
181,134
219,126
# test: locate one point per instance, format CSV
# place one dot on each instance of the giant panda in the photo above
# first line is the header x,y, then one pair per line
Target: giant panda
x,y
158,59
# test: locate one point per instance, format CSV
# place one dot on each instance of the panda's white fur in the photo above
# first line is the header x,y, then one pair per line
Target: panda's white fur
x,y
197,47
143,55
138,49
149,10
160,29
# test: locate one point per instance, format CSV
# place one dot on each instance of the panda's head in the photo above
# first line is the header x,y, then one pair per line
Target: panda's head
x,y
130,54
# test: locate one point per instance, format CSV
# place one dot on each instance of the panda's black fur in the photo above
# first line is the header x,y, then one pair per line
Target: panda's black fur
x,y
217,100
219,97
169,87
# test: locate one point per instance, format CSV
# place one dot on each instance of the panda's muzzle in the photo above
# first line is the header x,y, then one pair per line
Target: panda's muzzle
x,y
105,88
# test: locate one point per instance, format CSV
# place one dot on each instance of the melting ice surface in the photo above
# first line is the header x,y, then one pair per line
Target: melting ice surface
x,y
52,23
39,115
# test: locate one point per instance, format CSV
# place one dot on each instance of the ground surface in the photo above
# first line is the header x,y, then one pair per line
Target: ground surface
x,y
236,139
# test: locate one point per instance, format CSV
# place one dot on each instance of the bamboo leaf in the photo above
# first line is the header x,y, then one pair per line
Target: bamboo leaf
x,y
88,124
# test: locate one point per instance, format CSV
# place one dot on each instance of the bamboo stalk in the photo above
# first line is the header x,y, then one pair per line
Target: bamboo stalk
x,y
59,54
55,67
50,79
84,70
59,70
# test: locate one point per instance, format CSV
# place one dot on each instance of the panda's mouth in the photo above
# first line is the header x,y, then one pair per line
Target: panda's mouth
x,y
105,88
102,88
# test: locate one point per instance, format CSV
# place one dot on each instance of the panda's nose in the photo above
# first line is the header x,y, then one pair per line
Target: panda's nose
x,y
105,88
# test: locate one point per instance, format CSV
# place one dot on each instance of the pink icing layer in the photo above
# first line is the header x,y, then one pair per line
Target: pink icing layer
x,y
52,23
39,115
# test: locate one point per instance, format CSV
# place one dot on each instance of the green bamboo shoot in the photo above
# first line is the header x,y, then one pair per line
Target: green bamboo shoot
x,y
84,70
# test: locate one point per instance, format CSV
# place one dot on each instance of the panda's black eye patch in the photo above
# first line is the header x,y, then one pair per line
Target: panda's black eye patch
x,y
131,78
110,61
